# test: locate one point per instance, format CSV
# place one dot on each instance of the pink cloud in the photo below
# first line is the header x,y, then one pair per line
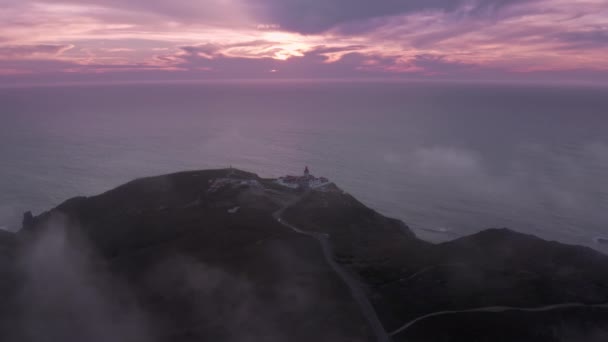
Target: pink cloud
x,y
29,51
482,39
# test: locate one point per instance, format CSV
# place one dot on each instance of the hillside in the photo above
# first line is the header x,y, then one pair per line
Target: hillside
x,y
225,255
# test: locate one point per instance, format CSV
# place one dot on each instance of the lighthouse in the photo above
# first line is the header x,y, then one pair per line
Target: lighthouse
x,y
305,181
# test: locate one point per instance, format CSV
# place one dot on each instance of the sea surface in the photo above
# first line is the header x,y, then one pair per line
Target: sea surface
x,y
448,159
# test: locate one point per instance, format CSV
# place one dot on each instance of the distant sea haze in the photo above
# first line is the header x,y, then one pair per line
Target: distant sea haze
x,y
447,159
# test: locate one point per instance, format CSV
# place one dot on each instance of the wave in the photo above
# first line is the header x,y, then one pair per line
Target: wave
x,y
441,230
601,240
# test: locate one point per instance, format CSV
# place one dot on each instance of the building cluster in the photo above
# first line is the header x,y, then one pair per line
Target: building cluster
x,y
305,181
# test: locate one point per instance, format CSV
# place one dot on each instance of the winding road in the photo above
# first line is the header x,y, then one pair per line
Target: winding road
x,y
366,307
353,284
494,309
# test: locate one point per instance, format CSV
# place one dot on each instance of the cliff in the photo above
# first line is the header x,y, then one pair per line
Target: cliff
x,y
225,255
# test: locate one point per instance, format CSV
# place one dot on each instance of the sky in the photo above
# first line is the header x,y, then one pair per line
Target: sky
x,y
57,41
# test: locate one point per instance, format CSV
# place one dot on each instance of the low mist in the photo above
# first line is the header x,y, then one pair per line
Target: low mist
x,y
68,294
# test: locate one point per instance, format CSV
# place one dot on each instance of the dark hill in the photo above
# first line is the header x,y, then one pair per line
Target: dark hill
x,y
224,255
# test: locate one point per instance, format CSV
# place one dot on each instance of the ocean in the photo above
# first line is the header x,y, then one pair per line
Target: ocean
x,y
448,159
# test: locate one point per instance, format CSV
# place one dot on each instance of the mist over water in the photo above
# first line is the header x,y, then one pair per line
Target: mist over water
x,y
449,160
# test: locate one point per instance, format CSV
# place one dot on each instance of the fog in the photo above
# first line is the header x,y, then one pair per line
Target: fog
x,y
68,294
537,189
448,160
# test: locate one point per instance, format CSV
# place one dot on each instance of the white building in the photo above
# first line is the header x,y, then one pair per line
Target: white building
x,y
307,180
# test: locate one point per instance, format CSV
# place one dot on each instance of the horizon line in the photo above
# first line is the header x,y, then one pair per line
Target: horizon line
x,y
547,83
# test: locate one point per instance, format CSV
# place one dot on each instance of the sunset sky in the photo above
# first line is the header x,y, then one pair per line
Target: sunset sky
x,y
55,41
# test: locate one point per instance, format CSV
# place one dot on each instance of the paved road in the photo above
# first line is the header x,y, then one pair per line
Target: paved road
x,y
496,309
366,307
353,284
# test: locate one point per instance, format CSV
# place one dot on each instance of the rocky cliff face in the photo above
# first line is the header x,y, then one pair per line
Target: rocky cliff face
x,y
225,255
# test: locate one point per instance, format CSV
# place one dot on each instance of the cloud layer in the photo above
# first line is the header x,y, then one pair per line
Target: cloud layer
x,y
88,40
